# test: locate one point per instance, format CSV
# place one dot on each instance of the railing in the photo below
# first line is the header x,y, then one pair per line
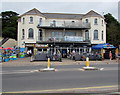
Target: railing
x,y
63,39
64,24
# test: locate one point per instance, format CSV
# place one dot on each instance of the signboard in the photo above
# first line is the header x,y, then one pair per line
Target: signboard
x,y
42,45
108,46
73,38
29,45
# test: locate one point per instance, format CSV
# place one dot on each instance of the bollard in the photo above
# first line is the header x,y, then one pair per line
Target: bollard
x,y
87,62
48,62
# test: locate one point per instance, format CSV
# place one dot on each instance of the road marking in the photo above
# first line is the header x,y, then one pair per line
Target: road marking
x,y
57,70
66,89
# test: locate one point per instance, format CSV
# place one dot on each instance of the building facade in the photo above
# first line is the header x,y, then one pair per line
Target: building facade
x,y
39,31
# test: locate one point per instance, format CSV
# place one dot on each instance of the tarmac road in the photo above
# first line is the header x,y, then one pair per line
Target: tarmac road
x,y
67,78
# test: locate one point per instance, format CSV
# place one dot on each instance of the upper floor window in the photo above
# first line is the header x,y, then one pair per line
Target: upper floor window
x,y
96,21
70,33
40,35
86,20
95,34
23,20
40,21
102,36
102,22
54,23
23,34
30,33
31,19
86,35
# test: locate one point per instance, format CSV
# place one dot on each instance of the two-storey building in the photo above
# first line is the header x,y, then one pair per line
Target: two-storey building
x,y
64,31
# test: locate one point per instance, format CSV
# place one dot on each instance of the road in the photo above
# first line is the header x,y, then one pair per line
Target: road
x,y
67,78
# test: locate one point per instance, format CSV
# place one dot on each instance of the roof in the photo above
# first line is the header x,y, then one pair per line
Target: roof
x,y
3,41
61,15
33,12
92,13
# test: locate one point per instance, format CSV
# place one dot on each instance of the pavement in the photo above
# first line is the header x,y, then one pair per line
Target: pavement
x,y
26,62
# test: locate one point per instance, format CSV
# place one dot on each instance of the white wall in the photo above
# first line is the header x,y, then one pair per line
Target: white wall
x,y
26,27
59,22
98,27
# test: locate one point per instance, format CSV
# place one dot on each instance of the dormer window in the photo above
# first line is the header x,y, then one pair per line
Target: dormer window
x,y
31,19
96,21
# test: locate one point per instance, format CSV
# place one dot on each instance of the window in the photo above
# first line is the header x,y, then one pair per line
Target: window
x,y
40,35
31,19
30,33
70,33
40,21
57,35
95,34
86,35
23,34
23,20
102,36
102,22
96,21
86,20
54,23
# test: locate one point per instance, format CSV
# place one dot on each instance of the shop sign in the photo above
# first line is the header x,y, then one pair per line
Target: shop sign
x,y
29,45
40,45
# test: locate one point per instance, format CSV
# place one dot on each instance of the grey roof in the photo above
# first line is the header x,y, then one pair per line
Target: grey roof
x,y
33,12
63,15
92,13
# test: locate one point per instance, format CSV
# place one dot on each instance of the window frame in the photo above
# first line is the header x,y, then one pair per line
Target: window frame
x,y
87,34
102,36
31,20
23,34
95,38
95,21
86,20
23,20
32,37
40,21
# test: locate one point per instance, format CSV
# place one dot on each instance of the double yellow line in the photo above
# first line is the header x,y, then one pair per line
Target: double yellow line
x,y
67,89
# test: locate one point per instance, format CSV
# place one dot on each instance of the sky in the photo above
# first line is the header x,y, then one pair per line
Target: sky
x,y
60,6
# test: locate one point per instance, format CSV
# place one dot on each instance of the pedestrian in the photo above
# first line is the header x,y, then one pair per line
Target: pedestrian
x,y
30,52
110,55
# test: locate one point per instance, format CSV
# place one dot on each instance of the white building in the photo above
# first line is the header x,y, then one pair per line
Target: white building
x,y
37,30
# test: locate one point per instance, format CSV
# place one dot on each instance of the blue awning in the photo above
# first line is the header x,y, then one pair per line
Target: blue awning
x,y
105,46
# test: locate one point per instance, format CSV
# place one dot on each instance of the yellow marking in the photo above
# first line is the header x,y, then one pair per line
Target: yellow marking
x,y
67,89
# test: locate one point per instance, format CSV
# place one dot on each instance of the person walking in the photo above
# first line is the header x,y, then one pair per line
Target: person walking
x,y
110,55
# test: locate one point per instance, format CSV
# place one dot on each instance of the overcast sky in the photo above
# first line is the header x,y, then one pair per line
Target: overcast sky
x,y
63,7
